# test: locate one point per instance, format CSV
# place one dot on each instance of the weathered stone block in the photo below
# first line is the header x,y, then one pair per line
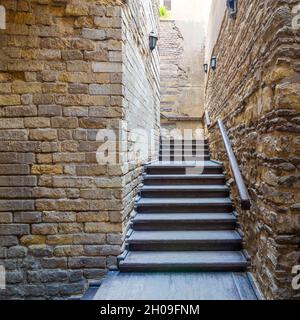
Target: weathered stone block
x,y
43,134
9,100
63,239
14,277
20,111
40,251
92,216
86,262
64,122
102,227
37,122
18,205
76,111
94,273
44,228
103,250
5,217
17,252
54,263
78,88
70,228
21,87
46,276
14,229
92,123
32,239
77,8
110,67
11,123
8,241
113,238
68,251
94,34
47,169
91,170
96,238
106,89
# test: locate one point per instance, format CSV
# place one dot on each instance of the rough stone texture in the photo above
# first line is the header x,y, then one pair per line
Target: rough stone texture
x,y
68,69
181,46
255,89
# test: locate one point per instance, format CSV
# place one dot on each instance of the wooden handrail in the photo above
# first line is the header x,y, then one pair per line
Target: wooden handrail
x,y
244,195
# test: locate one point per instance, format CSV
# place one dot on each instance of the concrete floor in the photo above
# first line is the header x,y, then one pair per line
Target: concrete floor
x,y
177,286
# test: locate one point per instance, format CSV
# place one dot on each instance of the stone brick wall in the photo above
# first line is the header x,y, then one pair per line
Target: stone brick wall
x,y
63,77
141,95
255,89
181,48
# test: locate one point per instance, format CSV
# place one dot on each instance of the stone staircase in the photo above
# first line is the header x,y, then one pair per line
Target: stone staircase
x,y
184,218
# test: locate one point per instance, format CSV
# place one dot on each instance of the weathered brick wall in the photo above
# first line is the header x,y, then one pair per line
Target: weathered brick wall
x,y
181,49
61,80
141,94
255,89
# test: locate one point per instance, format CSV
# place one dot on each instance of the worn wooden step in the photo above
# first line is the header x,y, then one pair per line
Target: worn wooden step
x,y
184,147
179,179
204,167
184,221
182,191
186,141
184,158
186,152
178,205
149,261
184,240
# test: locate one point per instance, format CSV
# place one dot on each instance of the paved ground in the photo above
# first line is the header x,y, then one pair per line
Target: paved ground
x,y
177,286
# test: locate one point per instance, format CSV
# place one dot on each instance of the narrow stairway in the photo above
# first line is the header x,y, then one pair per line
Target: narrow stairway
x,y
184,219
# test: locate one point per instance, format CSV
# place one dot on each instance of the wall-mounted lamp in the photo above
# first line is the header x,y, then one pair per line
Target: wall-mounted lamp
x,y
205,67
213,62
232,8
153,38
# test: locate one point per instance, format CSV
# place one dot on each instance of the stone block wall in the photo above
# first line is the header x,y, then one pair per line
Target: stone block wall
x,y
63,78
181,49
255,89
141,81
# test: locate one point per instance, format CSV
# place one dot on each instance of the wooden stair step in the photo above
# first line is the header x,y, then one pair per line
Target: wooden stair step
x,y
183,158
223,240
206,167
150,261
177,205
190,191
184,140
189,179
184,221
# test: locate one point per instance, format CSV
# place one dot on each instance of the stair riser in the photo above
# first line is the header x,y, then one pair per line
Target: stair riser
x,y
182,226
186,246
183,159
181,268
183,148
183,171
159,182
183,208
182,152
189,141
185,194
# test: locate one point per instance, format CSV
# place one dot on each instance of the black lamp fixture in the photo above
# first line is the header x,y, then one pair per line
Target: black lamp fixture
x,y
205,66
213,62
153,38
232,8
